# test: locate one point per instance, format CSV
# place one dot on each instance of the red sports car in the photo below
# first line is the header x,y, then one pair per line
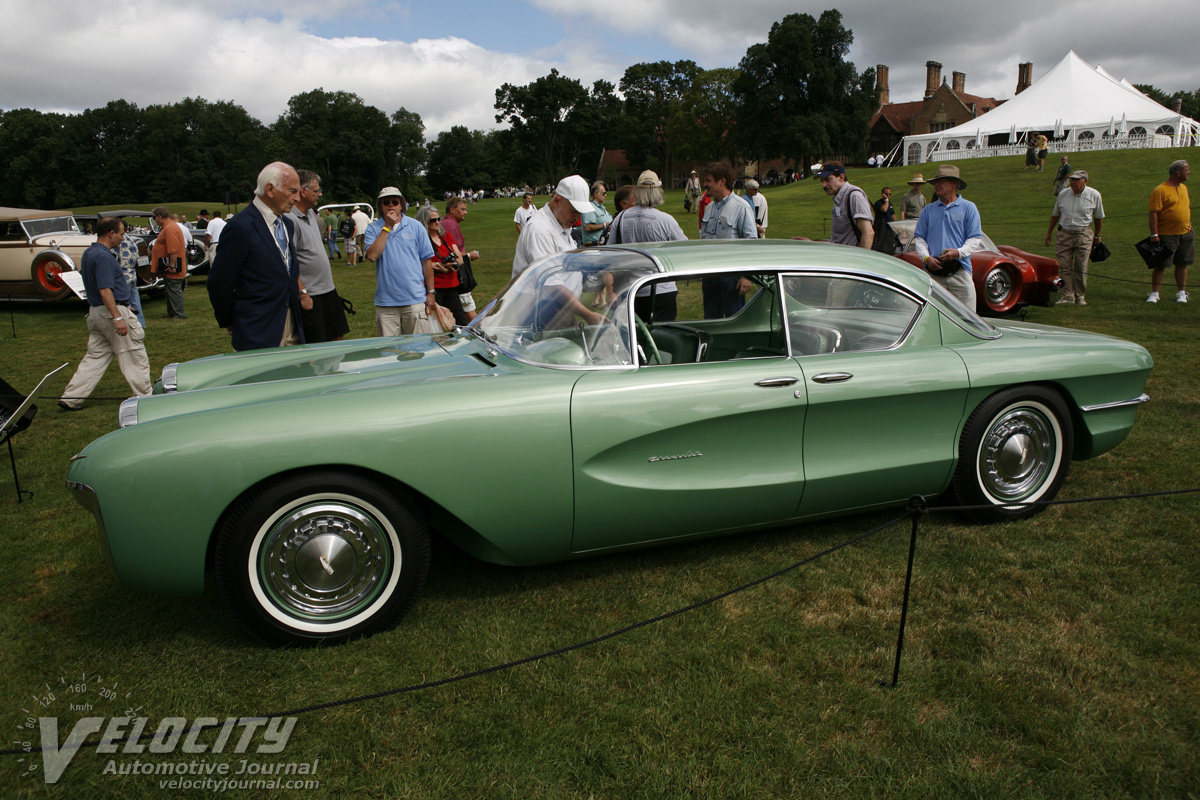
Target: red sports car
x,y
1006,278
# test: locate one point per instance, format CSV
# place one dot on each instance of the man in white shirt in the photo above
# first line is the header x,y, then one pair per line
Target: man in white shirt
x,y
525,212
1078,211
212,235
760,207
548,230
361,221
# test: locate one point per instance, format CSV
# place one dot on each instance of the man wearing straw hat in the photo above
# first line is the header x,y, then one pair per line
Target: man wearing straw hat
x,y
913,201
947,233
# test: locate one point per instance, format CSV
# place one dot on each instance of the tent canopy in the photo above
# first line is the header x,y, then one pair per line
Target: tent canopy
x,y
1073,96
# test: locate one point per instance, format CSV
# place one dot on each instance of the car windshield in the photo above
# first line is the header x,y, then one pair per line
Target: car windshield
x,y
965,317
41,227
569,310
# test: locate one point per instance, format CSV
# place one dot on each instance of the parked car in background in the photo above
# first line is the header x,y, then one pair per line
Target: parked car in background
x,y
1006,278
847,383
35,248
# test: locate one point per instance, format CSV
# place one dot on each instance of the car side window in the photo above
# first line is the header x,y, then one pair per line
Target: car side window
x,y
712,317
837,314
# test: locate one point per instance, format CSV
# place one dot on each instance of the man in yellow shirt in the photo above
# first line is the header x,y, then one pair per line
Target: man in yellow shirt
x,y
1171,224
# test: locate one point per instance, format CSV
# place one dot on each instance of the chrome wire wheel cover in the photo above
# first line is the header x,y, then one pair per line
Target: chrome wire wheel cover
x,y
998,286
1020,453
323,563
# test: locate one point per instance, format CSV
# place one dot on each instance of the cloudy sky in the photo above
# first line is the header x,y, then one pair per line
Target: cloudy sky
x,y
445,60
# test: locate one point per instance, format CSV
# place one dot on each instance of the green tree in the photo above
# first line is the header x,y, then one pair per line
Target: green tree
x,y
704,127
350,144
408,136
30,144
798,96
454,160
591,126
538,115
1190,101
653,95
102,154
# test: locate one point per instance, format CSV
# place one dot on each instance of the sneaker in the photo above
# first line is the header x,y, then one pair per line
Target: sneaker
x,y
1181,296
1079,301
1066,301
1153,298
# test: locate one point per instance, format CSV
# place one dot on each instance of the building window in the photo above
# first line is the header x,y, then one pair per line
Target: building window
x,y
914,153
934,127
1165,130
1138,131
933,148
953,144
971,145
1087,135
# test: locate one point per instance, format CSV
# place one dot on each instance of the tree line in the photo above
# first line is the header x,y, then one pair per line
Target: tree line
x,y
794,96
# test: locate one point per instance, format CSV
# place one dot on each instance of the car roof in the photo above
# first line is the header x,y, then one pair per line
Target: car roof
x,y
721,255
10,214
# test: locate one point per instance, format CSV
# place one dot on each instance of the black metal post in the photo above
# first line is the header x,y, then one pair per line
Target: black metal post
x,y
917,509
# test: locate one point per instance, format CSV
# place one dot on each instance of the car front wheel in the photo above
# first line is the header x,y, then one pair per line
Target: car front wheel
x,y
47,276
1001,288
321,557
1015,448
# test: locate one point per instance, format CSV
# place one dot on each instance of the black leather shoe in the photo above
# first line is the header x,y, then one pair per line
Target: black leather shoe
x,y
65,407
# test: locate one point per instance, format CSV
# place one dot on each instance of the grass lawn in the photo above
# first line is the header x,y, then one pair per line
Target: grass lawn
x,y
1058,657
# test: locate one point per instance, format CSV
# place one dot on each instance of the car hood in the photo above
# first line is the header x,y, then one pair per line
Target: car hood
x,y
282,373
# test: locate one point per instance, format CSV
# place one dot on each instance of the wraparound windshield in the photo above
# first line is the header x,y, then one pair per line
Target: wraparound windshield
x,y
570,310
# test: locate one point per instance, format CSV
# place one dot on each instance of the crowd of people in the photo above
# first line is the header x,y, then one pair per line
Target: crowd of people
x,y
271,279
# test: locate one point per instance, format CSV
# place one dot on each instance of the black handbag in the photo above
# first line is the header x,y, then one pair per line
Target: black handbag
x,y
1100,252
1153,253
466,276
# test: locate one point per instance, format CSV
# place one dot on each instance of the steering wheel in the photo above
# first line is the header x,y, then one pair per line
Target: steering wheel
x,y
644,331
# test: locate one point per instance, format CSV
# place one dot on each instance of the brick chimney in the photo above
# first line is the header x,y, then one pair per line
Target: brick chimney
x,y
1177,106
1024,76
959,84
881,84
933,77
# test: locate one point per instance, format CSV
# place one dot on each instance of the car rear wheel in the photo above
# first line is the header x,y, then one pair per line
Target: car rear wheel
x,y
1001,288
321,557
47,269
1015,448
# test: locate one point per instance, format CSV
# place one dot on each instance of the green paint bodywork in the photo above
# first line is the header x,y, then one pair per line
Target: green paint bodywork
x,y
523,463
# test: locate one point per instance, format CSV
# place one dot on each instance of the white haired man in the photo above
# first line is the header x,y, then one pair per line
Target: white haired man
x,y
254,284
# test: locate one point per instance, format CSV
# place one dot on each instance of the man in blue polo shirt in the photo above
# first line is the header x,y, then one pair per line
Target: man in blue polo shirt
x,y
113,327
403,256
947,233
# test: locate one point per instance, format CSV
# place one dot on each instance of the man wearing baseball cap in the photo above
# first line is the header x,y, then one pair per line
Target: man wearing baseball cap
x,y
947,233
403,256
1078,210
548,231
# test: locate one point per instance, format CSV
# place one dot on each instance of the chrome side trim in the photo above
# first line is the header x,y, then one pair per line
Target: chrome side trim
x,y
86,497
169,381
1137,401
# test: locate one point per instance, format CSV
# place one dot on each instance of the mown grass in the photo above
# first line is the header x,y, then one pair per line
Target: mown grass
x,y
1058,657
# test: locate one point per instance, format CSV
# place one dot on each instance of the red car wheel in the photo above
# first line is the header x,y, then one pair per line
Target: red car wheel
x,y
46,271
1001,288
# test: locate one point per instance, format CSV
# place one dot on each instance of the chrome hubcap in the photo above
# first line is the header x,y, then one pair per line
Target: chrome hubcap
x,y
324,560
998,286
1017,454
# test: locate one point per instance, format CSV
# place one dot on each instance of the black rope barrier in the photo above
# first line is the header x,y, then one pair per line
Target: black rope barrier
x,y
917,508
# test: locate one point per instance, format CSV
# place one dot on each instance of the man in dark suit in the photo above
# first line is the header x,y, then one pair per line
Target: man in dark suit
x,y
254,284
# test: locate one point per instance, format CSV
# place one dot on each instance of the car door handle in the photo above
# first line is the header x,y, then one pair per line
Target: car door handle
x,y
832,377
770,382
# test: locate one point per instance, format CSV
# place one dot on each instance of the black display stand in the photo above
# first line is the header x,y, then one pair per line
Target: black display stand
x,y
16,414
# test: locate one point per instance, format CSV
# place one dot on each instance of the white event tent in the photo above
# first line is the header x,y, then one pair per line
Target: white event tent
x,y
1077,106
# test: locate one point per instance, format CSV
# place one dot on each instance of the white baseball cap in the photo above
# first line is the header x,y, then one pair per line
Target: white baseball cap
x,y
574,190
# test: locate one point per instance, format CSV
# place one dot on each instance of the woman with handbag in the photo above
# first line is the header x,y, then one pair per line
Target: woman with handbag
x,y
446,261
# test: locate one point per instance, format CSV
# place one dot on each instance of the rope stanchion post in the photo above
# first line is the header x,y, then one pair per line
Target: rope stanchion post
x,y
917,508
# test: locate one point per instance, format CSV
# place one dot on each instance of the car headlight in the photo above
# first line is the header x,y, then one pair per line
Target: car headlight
x,y
128,414
168,377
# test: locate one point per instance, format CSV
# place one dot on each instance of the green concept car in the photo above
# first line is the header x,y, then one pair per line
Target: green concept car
x,y
847,381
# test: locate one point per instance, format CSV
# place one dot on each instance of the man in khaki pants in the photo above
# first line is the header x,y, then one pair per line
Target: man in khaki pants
x,y
1078,212
113,329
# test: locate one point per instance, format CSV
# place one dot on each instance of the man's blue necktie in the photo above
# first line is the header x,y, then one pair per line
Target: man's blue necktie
x,y
281,237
